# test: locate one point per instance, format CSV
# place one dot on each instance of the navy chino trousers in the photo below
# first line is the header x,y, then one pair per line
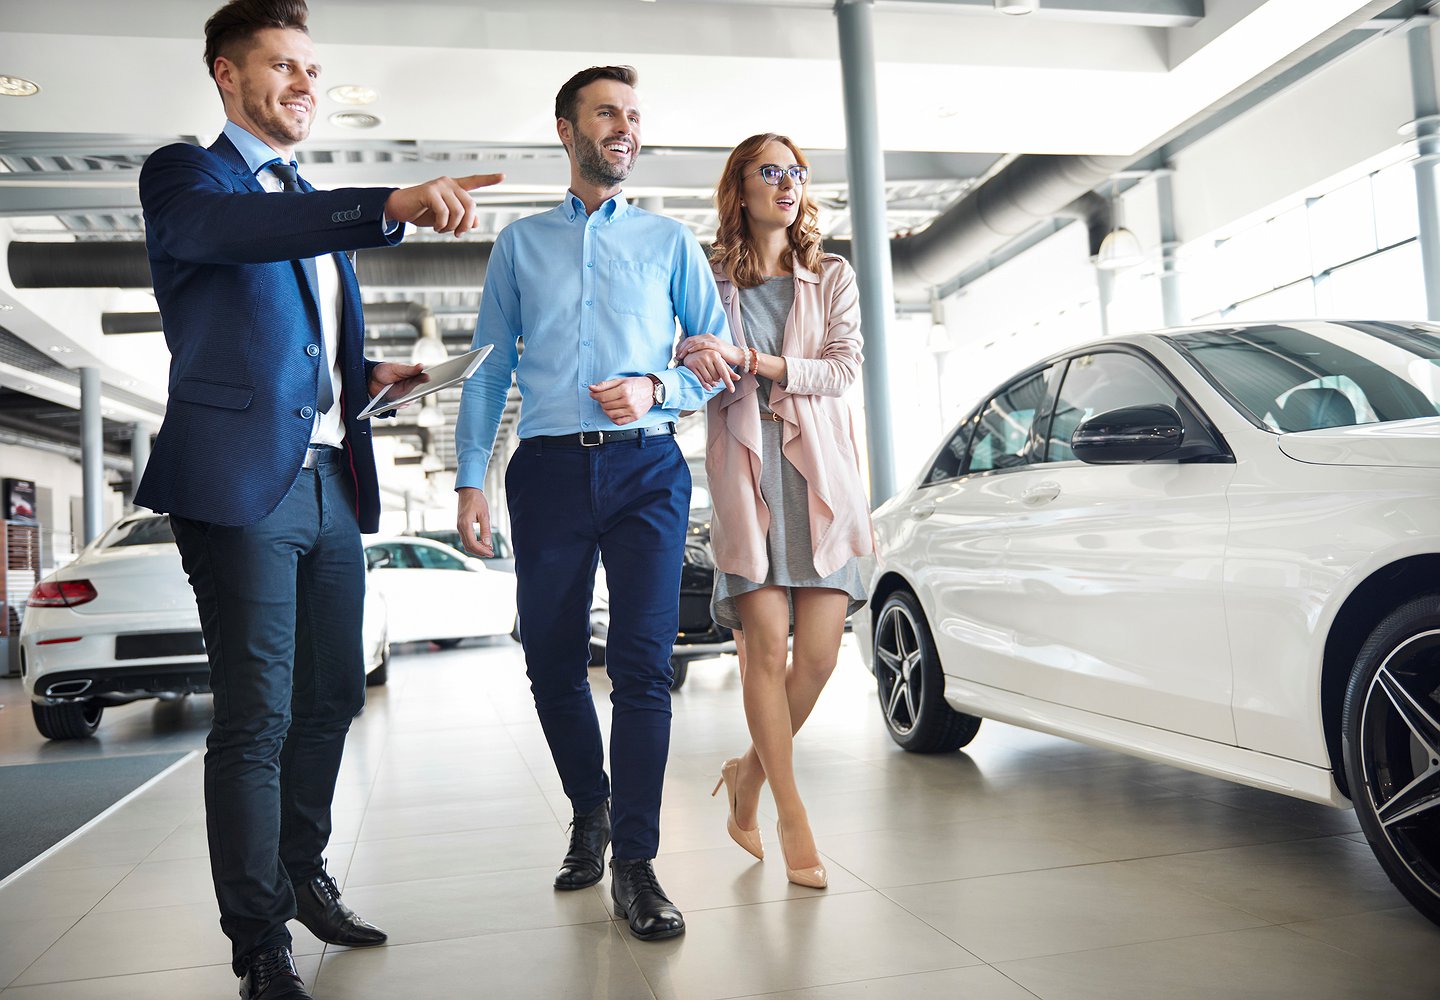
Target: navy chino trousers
x,y
280,605
626,502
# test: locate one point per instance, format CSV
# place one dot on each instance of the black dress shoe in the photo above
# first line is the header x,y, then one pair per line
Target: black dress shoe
x,y
318,906
584,863
638,898
272,976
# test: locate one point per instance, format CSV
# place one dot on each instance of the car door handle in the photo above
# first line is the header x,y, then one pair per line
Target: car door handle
x,y
1040,493
922,510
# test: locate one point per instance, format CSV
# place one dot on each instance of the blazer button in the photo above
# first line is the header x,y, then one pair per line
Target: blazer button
x,y
307,412
313,350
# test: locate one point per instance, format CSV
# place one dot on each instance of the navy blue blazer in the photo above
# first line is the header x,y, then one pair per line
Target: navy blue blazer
x,y
242,323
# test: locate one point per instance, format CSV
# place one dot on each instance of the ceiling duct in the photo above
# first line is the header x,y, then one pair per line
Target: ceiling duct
x,y
412,314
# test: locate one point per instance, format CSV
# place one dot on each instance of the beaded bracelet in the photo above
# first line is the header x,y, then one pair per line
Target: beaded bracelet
x,y
754,362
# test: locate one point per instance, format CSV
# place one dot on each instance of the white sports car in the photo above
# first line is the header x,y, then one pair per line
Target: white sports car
x,y
119,624
1216,548
439,594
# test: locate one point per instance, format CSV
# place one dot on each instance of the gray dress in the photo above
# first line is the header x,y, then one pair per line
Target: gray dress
x,y
764,310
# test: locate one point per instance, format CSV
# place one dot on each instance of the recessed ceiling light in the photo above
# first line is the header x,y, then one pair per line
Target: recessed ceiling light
x,y
1017,6
354,119
59,349
5,307
14,86
946,111
353,93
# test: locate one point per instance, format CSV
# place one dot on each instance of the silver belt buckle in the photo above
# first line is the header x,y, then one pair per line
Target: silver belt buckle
x,y
312,458
599,439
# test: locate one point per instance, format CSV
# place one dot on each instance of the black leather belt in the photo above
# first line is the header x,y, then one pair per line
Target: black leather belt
x,y
593,439
319,454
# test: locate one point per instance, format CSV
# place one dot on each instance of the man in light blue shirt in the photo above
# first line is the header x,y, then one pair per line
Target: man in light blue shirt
x,y
594,287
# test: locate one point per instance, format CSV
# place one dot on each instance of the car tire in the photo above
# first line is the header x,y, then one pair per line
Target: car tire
x,y
1391,737
681,666
910,683
71,720
381,674
446,643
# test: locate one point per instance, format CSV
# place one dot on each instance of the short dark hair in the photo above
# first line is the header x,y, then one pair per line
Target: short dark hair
x,y
232,28
567,101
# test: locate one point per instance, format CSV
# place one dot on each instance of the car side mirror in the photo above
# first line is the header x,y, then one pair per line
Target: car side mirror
x,y
1131,434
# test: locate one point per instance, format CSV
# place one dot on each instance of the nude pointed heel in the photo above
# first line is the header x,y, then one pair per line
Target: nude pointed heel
x,y
812,878
748,839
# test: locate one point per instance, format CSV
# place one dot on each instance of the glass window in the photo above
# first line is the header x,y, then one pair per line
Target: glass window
x,y
1397,213
1002,435
1097,383
145,531
1351,373
1389,285
388,555
1342,225
430,557
952,457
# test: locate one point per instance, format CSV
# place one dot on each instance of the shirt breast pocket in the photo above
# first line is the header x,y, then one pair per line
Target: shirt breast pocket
x,y
639,288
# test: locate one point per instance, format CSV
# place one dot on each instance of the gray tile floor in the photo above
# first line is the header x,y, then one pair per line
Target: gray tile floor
x,y
1026,867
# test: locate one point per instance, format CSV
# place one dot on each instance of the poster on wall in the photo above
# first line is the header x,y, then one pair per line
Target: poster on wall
x,y
20,501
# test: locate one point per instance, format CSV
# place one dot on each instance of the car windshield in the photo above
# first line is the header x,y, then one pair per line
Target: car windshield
x,y
144,531
1289,379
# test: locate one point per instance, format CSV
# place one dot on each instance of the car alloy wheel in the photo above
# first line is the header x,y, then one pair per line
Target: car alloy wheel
x,y
1391,727
910,682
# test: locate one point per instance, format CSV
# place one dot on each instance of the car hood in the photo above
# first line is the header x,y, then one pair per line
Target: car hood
x,y
1403,443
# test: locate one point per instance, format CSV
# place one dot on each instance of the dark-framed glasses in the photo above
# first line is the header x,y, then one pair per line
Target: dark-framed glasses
x,y
771,173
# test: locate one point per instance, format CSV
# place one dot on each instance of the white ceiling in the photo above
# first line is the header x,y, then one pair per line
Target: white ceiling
x,y
959,86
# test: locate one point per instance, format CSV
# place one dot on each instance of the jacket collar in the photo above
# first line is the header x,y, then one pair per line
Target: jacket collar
x,y
801,272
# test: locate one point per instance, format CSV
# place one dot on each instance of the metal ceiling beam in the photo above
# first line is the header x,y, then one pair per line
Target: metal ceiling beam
x,y
1142,13
91,192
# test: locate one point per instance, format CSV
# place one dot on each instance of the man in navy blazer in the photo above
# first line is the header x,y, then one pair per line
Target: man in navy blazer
x,y
267,475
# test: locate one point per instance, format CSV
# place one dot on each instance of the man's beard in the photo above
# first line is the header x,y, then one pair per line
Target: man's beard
x,y
594,167
281,129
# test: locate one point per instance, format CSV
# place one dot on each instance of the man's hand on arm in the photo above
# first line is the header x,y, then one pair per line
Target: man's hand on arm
x,y
473,522
711,359
443,204
624,400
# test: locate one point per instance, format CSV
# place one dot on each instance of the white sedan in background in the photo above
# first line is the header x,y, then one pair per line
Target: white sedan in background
x,y
119,624
1216,548
439,594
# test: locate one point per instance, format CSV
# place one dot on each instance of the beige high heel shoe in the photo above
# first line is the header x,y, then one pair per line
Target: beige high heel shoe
x,y
748,839
812,878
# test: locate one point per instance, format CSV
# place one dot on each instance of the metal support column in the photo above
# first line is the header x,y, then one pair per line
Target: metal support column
x,y
92,453
139,454
1427,142
1169,244
1105,282
864,158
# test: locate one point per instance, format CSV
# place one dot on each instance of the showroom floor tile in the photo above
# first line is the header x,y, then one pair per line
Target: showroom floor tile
x,y
1025,867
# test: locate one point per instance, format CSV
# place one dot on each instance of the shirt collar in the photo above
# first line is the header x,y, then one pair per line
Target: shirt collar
x,y
609,210
257,154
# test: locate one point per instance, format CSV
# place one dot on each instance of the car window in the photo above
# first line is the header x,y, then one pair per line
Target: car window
x,y
428,557
1289,379
501,545
1096,383
1002,435
388,555
951,459
145,531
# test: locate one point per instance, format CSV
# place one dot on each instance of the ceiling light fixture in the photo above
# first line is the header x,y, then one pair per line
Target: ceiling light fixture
x,y
353,93
1017,6
354,119
1121,247
14,86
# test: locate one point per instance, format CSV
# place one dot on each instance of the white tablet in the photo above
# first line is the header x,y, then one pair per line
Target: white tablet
x,y
442,376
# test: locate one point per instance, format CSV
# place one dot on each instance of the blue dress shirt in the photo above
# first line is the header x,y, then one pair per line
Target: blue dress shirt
x,y
595,297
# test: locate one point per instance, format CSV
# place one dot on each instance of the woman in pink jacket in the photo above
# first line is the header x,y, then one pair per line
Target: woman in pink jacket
x,y
790,515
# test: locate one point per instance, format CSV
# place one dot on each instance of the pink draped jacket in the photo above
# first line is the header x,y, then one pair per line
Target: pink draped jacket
x,y
821,347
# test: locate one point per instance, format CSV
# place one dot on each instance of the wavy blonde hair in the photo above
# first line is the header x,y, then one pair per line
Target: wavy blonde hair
x,y
734,247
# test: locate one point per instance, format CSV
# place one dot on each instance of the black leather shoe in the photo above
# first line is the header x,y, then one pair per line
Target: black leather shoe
x,y
638,898
318,906
584,863
272,976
